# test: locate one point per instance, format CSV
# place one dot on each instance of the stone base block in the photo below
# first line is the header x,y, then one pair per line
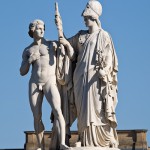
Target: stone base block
x,y
92,148
128,140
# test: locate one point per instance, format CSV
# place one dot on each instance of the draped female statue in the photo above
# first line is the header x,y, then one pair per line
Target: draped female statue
x,y
94,79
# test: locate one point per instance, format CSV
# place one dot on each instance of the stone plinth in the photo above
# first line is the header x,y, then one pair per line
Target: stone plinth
x,y
93,148
132,139
128,140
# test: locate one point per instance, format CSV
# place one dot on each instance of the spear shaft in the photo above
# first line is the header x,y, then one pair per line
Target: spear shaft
x,y
58,21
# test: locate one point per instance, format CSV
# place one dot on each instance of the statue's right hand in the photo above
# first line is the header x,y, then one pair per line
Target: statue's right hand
x,y
33,57
63,41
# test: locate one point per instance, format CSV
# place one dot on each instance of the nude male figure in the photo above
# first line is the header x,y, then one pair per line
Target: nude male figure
x,y
41,55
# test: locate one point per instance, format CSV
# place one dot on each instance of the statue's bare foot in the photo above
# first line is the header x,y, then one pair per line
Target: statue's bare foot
x,y
113,144
64,147
40,149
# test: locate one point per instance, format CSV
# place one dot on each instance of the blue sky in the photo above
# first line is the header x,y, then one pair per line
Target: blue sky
x,y
127,21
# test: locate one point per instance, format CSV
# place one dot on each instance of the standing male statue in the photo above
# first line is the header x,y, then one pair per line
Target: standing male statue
x,y
94,79
41,55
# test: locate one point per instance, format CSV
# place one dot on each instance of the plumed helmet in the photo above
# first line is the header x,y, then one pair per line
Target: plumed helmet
x,y
93,9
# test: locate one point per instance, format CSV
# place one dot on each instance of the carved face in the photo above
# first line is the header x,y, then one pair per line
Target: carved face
x,y
87,11
39,31
88,21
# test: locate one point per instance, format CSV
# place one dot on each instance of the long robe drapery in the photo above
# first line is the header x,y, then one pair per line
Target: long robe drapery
x,y
95,97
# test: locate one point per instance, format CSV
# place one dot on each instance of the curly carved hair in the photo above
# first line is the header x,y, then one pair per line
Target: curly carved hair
x,y
33,25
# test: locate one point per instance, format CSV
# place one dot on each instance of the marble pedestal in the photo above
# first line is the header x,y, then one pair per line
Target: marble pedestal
x,y
93,148
128,140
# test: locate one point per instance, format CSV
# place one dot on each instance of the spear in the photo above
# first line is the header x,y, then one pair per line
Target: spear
x,y
58,21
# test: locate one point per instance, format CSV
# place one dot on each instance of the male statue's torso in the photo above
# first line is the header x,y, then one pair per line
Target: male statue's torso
x,y
45,66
